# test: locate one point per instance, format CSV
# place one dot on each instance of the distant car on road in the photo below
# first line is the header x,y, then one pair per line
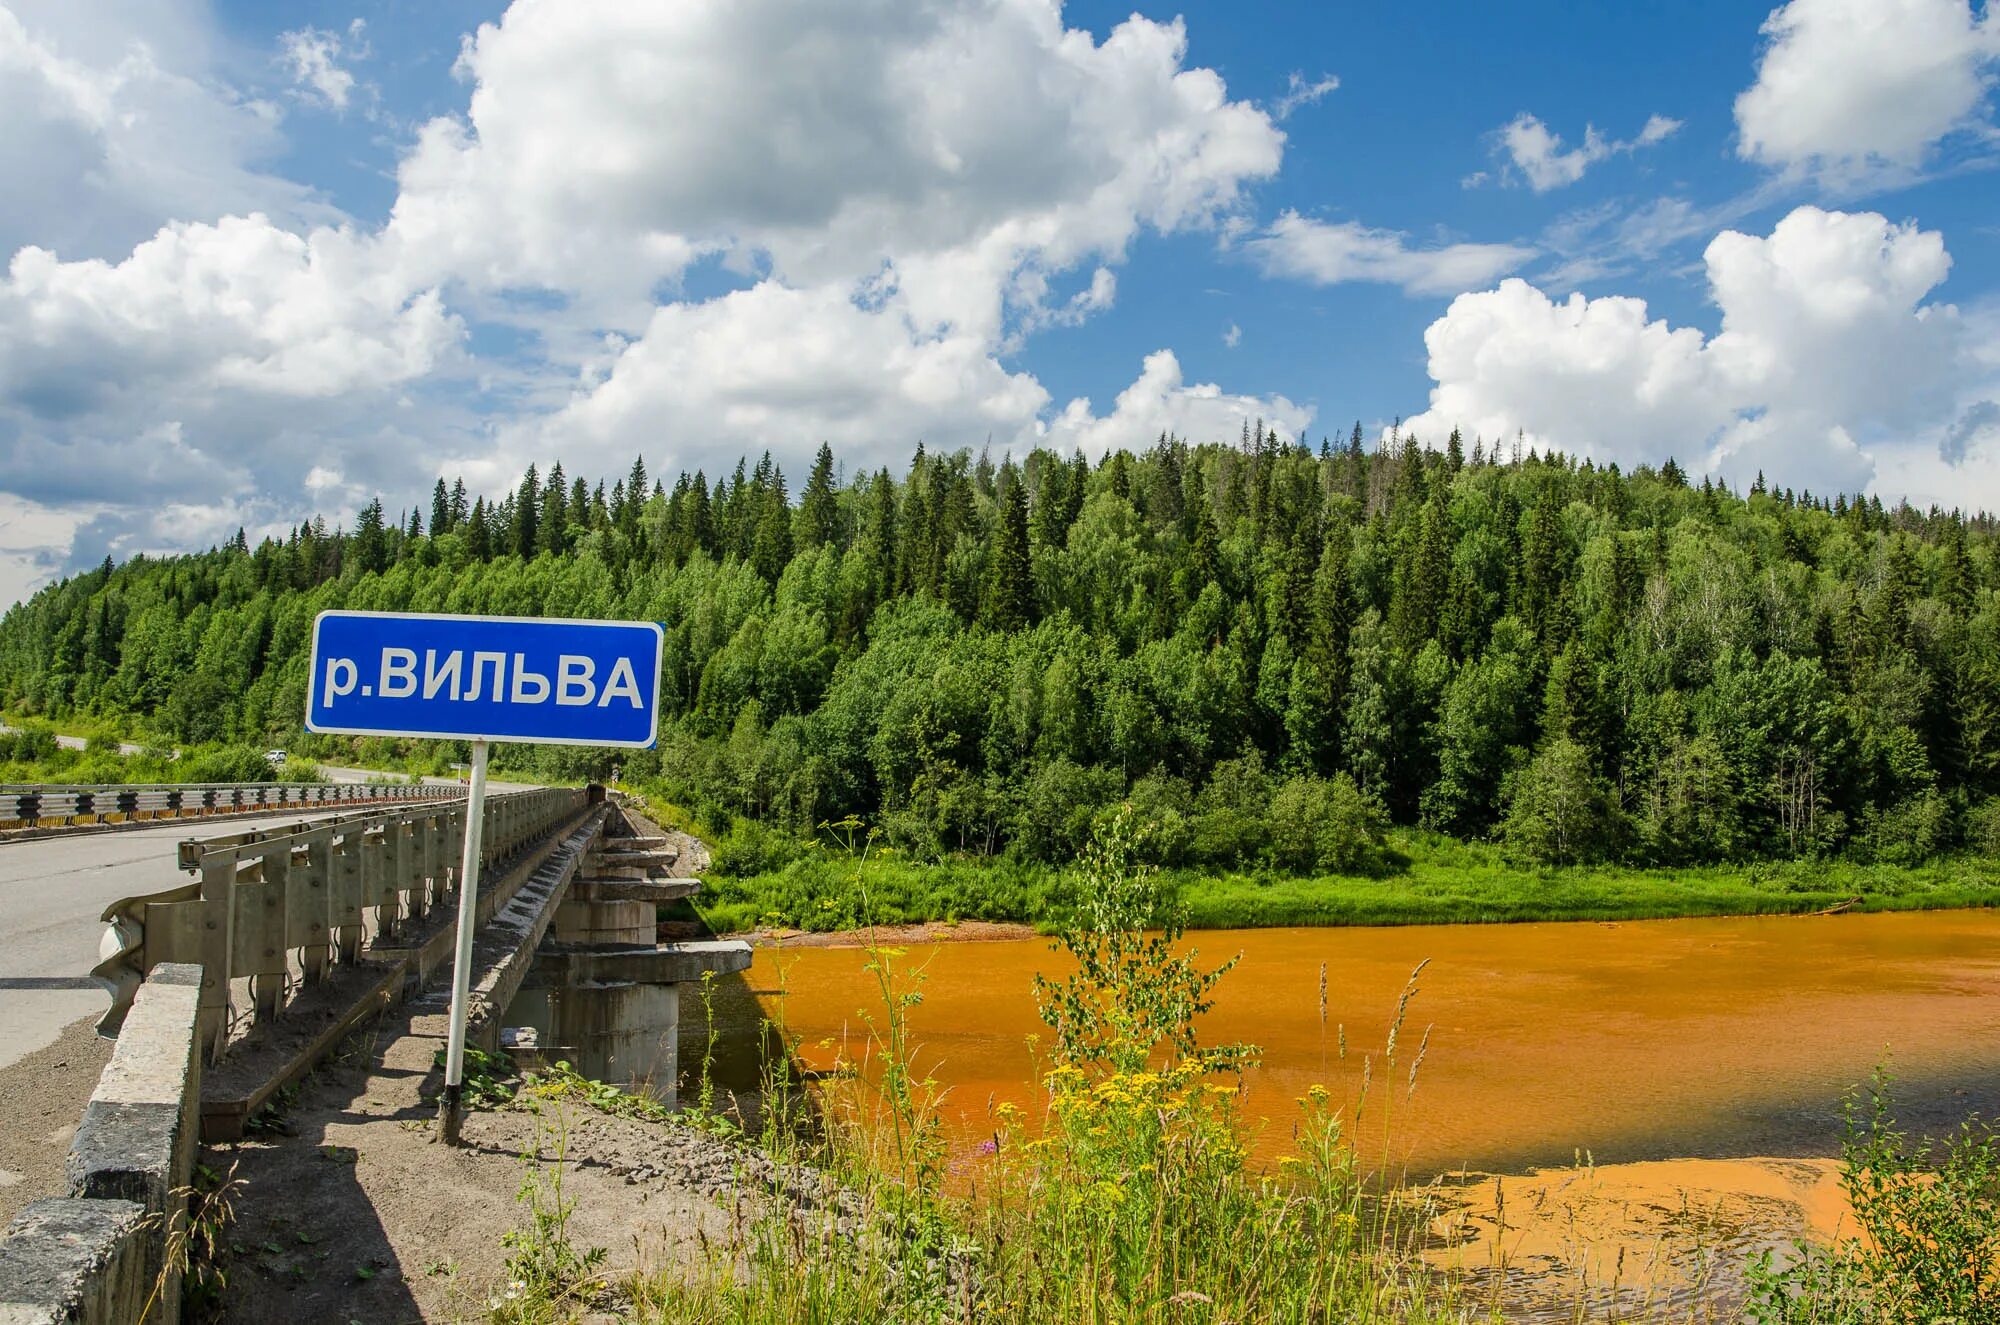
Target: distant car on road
x,y
274,757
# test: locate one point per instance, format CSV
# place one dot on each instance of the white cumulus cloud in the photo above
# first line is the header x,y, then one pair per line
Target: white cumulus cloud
x,y
944,155
1846,85
315,59
1828,355
1162,401
1538,152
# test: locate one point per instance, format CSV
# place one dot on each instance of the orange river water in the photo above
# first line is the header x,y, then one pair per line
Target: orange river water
x,y
1638,1041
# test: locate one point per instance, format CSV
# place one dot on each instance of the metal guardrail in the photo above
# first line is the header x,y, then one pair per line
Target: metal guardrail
x,y
32,803
305,898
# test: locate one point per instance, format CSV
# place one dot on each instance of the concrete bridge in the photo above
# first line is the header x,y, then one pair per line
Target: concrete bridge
x,y
287,936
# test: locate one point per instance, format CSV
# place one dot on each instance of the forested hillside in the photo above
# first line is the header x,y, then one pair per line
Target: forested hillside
x,y
1264,647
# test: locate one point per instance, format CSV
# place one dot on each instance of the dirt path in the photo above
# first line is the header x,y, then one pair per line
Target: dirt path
x,y
350,1212
42,1096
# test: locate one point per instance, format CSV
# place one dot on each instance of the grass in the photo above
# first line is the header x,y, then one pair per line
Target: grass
x,y
1445,882
1926,1248
1130,1198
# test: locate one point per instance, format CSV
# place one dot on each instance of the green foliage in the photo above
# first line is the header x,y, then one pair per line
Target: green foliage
x,y
1927,1248
1560,811
1326,826
984,659
1433,879
1131,994
233,763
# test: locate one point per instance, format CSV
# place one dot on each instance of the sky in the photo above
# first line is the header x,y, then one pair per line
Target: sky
x,y
265,260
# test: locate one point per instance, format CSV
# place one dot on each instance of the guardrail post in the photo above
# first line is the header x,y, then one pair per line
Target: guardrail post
x,y
309,907
346,895
218,915
272,956
430,888
395,868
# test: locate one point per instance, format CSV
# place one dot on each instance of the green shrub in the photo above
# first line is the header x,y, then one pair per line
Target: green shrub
x,y
1326,825
230,763
97,770
36,745
1559,811
1059,808
1910,831
1165,806
1929,1244
1983,827
750,847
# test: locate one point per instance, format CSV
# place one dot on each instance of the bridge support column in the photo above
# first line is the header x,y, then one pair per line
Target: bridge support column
x,y
603,994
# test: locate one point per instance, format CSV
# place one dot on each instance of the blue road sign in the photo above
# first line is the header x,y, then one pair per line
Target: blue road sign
x,y
485,678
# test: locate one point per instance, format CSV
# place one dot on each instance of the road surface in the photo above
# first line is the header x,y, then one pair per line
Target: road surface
x,y
78,742
53,891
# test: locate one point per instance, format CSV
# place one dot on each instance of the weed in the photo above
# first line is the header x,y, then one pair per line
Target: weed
x,y
488,1077
193,1242
1928,1245
546,1273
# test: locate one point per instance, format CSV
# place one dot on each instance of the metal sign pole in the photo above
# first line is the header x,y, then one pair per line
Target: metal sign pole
x,y
451,1110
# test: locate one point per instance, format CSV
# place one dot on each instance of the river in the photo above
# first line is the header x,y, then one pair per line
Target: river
x,y
1588,1051
1634,1041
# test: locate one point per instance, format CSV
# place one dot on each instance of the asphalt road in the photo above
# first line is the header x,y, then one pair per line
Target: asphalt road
x,y
53,891
78,742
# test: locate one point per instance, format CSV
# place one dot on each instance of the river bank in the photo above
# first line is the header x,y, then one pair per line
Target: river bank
x,y
1443,882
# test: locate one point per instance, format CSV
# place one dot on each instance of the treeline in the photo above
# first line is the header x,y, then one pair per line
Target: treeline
x,y
1269,649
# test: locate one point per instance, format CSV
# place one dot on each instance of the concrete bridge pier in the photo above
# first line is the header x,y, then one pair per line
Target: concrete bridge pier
x,y
603,994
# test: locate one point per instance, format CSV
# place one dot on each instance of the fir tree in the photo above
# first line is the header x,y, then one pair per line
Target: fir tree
x,y
1009,590
819,514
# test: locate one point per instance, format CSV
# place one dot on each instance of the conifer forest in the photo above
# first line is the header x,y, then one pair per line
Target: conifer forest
x,y
1270,649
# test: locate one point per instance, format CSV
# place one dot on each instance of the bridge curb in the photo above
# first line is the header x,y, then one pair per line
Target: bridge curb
x,y
95,1256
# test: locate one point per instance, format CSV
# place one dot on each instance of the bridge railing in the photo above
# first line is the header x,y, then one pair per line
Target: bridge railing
x,y
28,804
289,905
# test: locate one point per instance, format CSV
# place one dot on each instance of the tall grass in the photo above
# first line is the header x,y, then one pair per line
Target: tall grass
x,y
1130,1198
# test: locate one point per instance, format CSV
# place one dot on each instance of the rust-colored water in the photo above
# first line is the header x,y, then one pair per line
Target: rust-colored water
x,y
1647,1040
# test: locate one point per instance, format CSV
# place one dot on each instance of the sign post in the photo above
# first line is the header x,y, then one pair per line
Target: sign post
x,y
481,679
451,1109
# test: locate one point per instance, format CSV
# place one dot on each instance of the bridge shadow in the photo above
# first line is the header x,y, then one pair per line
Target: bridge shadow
x,y
308,1241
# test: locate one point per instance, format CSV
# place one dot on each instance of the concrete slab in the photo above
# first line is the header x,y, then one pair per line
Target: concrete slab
x,y
666,963
74,1261
634,890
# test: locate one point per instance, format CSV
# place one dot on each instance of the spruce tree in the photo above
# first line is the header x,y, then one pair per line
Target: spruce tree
x,y
1009,587
819,513
371,544
478,541
526,515
552,521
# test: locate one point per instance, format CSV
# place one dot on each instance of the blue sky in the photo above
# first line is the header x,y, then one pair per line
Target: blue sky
x,y
276,258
